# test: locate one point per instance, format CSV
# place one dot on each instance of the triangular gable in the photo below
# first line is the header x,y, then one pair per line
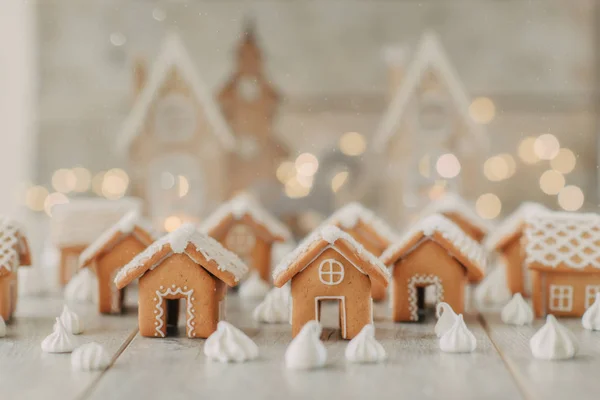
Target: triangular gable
x,y
430,56
174,55
452,203
448,235
512,226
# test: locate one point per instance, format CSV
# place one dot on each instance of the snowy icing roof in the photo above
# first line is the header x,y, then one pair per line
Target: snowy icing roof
x,y
563,241
109,237
81,221
430,56
174,55
351,214
447,234
242,206
453,203
202,249
317,241
12,237
512,226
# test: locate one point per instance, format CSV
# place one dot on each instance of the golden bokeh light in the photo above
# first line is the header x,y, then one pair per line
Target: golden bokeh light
x,y
482,110
64,180
295,190
571,198
488,206
499,167
115,183
306,164
83,179
54,199
352,144
171,223
285,171
438,190
184,186
447,166
338,181
546,146
97,183
35,197
551,182
526,150
564,161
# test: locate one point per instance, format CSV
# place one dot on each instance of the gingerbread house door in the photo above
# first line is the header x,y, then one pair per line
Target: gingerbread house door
x,y
175,186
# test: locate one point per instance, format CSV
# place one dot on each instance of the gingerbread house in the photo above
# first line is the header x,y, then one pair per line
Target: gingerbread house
x,y
461,212
330,265
505,240
14,252
77,224
115,248
434,252
175,139
369,230
562,252
249,103
243,226
427,117
184,264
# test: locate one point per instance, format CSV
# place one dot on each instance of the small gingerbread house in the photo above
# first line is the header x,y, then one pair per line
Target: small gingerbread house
x,y
330,265
243,226
110,252
435,252
369,230
14,252
175,139
562,252
184,264
461,212
505,240
77,224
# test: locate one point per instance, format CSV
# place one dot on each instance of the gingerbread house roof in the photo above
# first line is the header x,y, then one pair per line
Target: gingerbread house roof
x,y
512,226
430,56
448,235
245,208
329,237
81,221
131,224
9,259
563,241
12,236
174,55
350,215
202,249
452,203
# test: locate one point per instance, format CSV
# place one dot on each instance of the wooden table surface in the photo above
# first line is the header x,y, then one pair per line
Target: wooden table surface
x,y
175,368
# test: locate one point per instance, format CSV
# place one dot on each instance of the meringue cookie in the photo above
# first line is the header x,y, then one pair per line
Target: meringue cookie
x,y
71,321
364,348
306,351
591,317
2,327
59,341
254,287
82,288
493,289
90,357
553,341
275,308
446,317
458,339
229,344
517,311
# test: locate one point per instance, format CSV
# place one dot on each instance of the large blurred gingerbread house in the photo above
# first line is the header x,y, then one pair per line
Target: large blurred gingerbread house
x,y
427,117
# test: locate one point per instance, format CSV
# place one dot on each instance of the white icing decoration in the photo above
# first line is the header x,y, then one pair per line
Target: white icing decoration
x,y
364,348
82,288
173,290
306,351
11,244
446,318
275,308
512,225
493,289
254,287
517,311
2,327
229,344
71,321
59,341
412,292
458,339
90,357
553,341
591,317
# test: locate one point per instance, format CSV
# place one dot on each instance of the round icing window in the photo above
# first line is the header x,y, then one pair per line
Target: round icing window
x,y
331,272
240,240
248,88
175,118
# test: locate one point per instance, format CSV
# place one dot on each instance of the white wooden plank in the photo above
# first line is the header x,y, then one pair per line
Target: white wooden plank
x,y
176,368
576,378
28,373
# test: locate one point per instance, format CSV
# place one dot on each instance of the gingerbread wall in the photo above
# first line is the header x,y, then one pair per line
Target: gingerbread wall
x,y
5,297
69,262
512,256
543,283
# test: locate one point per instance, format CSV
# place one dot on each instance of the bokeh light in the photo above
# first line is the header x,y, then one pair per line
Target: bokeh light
x,y
35,197
526,150
54,199
83,179
482,110
115,183
546,146
285,171
64,180
488,206
306,164
172,223
352,144
571,198
551,182
564,161
338,181
447,166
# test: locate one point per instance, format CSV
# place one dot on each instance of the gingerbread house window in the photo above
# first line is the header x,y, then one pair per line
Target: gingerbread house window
x,y
590,294
175,119
561,298
331,272
241,239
